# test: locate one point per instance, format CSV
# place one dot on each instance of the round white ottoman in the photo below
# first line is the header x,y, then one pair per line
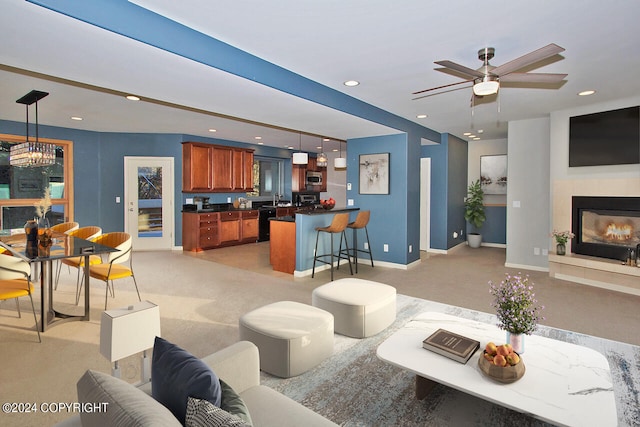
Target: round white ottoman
x,y
291,337
361,308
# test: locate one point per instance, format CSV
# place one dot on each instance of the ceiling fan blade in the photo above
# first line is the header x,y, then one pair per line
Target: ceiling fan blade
x,y
440,87
439,93
460,68
528,59
532,78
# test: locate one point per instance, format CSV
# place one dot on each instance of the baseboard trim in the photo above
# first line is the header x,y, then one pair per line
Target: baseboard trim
x,y
365,261
526,267
597,284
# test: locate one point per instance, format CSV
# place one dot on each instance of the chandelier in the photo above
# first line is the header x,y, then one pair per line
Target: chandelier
x,y
32,153
322,157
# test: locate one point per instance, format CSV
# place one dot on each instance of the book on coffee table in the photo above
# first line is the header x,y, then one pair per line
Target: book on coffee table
x,y
451,345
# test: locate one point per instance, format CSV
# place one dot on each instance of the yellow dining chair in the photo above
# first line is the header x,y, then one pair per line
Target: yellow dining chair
x,y
114,268
15,282
65,227
89,232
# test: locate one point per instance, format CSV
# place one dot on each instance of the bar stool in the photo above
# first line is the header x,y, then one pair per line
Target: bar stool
x,y
338,225
361,222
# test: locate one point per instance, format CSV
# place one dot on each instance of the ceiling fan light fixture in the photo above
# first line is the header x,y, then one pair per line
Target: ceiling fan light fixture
x,y
486,86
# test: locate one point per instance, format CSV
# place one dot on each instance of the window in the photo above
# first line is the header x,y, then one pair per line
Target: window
x,y
21,187
268,177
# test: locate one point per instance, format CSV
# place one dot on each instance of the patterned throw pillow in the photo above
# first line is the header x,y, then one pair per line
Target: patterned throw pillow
x,y
202,413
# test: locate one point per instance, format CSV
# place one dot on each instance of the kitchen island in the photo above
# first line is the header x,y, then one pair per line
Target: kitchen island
x,y
296,238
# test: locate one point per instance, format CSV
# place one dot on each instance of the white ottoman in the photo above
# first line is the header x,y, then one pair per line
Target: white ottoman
x,y
291,337
361,308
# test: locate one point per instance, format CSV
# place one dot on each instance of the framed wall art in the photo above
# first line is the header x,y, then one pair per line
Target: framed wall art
x,y
374,173
493,174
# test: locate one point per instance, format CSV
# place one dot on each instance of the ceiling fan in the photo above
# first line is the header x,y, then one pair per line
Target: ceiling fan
x,y
486,79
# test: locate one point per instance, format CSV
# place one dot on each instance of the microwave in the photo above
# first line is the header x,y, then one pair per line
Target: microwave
x,y
314,178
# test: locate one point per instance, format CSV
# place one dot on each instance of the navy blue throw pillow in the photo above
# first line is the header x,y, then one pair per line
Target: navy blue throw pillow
x,y
176,375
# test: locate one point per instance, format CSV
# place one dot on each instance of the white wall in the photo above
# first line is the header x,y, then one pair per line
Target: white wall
x,y
528,226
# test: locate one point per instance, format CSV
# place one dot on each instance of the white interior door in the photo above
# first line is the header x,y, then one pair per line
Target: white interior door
x,y
149,189
425,203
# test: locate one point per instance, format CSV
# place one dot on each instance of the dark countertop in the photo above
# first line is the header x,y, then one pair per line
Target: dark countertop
x,y
232,209
325,211
283,218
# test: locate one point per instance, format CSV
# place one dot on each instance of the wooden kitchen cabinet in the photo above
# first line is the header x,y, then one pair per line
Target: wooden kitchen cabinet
x,y
288,211
249,226
242,170
222,169
200,231
209,168
229,227
298,178
196,167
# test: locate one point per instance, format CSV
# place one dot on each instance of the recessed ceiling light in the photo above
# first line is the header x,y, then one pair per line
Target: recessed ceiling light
x,y
260,143
76,118
326,140
586,92
467,133
335,150
421,116
480,130
351,83
213,130
471,135
133,98
476,139
257,137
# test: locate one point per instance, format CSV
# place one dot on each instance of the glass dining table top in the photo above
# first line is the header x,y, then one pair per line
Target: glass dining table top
x,y
64,246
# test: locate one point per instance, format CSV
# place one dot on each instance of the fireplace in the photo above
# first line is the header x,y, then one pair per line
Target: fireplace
x,y
605,227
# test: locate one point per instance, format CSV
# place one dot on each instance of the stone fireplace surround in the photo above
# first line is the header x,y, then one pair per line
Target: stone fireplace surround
x,y
585,269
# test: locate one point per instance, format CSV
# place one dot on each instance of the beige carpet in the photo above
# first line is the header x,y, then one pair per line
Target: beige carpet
x,y
201,297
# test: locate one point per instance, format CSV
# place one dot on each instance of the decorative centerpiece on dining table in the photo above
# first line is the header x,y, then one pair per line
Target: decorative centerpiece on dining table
x,y
45,239
517,308
562,237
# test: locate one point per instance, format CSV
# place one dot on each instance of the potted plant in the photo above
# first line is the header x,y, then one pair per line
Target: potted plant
x,y
474,212
516,307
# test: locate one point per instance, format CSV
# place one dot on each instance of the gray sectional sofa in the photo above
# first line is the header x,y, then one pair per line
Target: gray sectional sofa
x,y
237,365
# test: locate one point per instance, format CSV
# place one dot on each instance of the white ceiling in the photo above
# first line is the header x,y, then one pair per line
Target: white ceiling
x,y
390,47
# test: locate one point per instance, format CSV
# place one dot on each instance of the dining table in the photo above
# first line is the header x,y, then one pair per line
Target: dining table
x,y
62,246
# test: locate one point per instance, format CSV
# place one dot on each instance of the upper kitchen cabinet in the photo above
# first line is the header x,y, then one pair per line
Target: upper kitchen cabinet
x,y
197,165
209,168
242,170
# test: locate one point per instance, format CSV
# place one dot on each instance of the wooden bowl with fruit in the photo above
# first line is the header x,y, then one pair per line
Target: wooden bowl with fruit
x,y
501,363
328,204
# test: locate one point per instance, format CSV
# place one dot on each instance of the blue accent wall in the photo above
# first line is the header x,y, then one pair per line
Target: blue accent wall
x,y
494,229
389,212
448,189
456,187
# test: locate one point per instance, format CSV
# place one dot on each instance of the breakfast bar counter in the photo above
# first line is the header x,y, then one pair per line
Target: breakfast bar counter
x,y
303,226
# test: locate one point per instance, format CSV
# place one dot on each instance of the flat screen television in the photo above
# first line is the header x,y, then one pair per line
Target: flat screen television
x,y
606,138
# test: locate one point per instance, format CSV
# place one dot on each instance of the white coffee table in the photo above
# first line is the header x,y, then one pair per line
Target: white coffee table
x,y
564,384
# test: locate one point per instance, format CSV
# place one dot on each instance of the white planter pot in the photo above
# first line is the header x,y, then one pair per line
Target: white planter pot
x,y
474,240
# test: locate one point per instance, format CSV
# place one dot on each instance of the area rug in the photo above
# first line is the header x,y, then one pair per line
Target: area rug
x,y
355,388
